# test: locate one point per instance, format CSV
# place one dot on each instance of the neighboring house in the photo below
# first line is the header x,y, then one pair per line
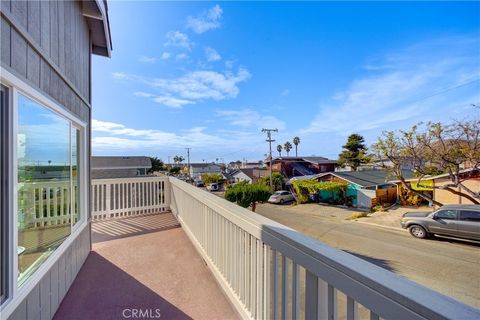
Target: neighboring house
x,y
46,107
197,169
471,178
367,188
302,166
252,165
110,167
249,175
377,164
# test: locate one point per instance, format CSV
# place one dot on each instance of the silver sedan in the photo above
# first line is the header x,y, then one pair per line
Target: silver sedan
x,y
281,197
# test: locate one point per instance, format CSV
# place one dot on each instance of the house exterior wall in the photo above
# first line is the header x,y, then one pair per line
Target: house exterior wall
x,y
196,172
446,197
46,44
44,299
118,173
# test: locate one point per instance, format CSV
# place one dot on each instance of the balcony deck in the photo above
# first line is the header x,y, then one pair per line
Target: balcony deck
x,y
144,262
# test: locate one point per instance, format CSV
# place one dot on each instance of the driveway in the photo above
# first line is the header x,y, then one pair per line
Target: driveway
x,y
447,266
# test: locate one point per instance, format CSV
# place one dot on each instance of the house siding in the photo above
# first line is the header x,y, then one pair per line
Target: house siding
x,y
446,197
46,44
44,299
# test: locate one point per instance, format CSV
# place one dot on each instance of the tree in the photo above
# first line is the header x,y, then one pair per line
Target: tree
x,y
279,149
157,165
432,149
178,159
245,194
174,170
296,142
277,178
287,146
354,152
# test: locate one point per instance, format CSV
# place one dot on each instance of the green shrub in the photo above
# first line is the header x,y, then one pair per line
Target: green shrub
x,y
303,188
277,178
246,195
211,178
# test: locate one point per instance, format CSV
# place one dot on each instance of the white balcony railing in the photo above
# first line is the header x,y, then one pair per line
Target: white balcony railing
x,y
114,198
270,271
46,203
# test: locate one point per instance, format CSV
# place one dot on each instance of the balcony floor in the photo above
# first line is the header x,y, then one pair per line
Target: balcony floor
x,y
148,263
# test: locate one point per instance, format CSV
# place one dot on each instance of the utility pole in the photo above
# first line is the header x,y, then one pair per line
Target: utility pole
x,y
188,161
270,140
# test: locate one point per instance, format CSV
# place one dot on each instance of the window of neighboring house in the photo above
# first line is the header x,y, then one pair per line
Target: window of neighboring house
x,y
4,193
470,215
48,189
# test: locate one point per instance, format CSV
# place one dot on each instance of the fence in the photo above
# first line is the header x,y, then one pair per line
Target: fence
x,y
114,198
270,271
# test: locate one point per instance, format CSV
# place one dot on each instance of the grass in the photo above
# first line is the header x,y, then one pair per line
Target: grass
x,y
357,215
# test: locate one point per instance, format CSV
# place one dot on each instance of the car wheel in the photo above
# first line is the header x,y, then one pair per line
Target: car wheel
x,y
281,201
418,231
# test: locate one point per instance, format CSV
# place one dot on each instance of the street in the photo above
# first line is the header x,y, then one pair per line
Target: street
x,y
447,266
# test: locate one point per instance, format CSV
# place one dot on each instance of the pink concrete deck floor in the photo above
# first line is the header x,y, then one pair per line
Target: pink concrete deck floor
x,y
144,263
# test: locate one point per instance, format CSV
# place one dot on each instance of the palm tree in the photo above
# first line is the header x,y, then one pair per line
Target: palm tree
x,y
279,149
296,142
287,146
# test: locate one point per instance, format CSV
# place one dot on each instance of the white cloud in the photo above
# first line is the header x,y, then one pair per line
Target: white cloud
x,y
181,56
109,135
146,59
192,87
230,63
178,39
168,101
250,118
285,92
207,20
212,54
166,55
120,75
403,86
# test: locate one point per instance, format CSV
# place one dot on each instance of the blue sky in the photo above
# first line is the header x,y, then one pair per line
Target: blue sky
x,y
210,75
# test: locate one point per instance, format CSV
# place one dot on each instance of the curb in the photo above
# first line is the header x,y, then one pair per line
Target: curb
x,y
382,226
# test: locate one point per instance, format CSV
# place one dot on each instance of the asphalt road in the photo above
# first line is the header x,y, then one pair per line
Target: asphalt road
x,y
448,266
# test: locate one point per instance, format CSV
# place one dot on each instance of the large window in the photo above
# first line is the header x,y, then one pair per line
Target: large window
x,y
4,192
48,189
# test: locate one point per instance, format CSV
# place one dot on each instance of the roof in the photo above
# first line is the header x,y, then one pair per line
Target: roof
x,y
367,178
116,162
96,14
444,175
203,165
312,159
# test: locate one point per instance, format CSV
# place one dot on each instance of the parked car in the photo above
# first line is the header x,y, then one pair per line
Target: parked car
x,y
461,221
199,183
281,197
213,187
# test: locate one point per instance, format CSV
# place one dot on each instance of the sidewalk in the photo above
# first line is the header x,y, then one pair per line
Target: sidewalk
x,y
391,218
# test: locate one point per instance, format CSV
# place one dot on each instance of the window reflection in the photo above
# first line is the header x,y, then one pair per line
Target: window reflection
x,y
47,173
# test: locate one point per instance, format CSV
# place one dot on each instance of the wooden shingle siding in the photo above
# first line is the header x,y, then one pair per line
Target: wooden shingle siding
x,y
33,66
34,20
56,45
33,304
18,55
5,44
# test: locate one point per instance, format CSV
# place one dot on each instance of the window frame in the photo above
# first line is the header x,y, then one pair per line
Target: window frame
x,y
16,86
5,194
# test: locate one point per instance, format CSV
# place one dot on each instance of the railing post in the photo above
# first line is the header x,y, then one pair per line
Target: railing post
x,y
107,198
